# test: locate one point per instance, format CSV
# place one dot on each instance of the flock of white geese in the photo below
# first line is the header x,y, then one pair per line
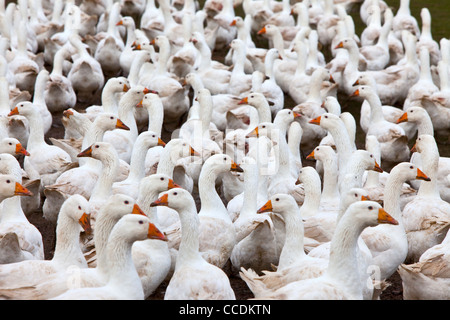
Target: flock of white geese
x,y
181,157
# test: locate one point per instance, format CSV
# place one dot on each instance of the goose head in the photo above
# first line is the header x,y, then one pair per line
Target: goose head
x,y
109,121
237,22
77,208
409,171
331,105
25,108
223,163
255,99
158,182
321,153
279,203
353,195
118,85
150,139
422,142
326,120
138,227
413,114
119,205
364,92
369,214
268,29
177,199
12,146
367,160
98,150
9,187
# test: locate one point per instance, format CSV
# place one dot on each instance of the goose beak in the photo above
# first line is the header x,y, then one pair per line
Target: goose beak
x,y
146,90
384,217
140,105
13,112
21,150
194,153
233,23
414,148
253,134
161,143
85,222
20,190
125,88
266,208
120,23
340,45
262,31
155,233
85,153
297,114
235,167
422,176
332,79
364,198
121,125
137,210
356,83
298,182
172,185
315,121
162,201
153,42
311,155
355,94
243,101
67,113
403,118
377,168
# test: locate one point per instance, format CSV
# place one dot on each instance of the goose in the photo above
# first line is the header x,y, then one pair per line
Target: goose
x,y
426,39
403,20
59,94
152,21
426,216
260,103
121,140
39,99
338,282
134,9
110,45
80,180
67,250
256,245
19,239
128,54
124,281
96,275
389,254
46,162
442,97
371,32
225,34
240,82
393,139
86,73
282,18
427,279
213,214
326,26
209,281
300,86
130,186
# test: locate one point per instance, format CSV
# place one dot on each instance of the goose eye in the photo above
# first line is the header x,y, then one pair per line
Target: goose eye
x,y
162,179
370,208
326,117
277,199
371,156
79,207
8,181
10,143
412,111
411,167
97,146
175,193
153,136
263,126
126,202
224,159
356,195
141,222
111,118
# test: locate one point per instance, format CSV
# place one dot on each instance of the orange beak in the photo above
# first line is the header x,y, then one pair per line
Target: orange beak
x,y
235,167
414,148
233,23
384,217
243,101
86,153
422,176
310,156
162,201
120,23
85,222
266,208
194,153
153,42
161,143
315,121
297,115
253,134
137,210
172,185
332,79
364,198
21,150
140,105
121,125
20,190
146,90
155,233
340,45
67,113
262,31
377,168
356,83
13,112
125,88
403,118
355,94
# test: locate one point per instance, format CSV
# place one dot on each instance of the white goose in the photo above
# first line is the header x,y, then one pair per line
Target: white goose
x,y
426,217
39,99
403,20
341,279
124,282
67,250
208,281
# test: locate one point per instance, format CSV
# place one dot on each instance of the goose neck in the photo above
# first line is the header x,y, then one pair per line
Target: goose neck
x,y
39,89
12,210
103,187
430,163
249,206
36,136
392,192
293,248
156,117
165,164
104,225
311,204
189,245
137,162
425,126
376,111
330,179
126,114
148,194
211,203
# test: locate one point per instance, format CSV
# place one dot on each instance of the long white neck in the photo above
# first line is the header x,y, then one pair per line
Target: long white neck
x,y
165,164
126,114
67,248
376,111
425,125
392,192
156,117
430,163
58,63
343,265
122,271
404,7
103,187
312,186
250,204
189,245
330,189
137,162
147,195
293,244
36,136
294,138
39,89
